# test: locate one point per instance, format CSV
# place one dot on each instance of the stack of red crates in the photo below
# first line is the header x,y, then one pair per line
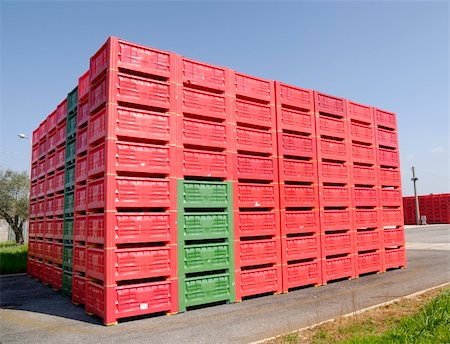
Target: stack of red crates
x,y
47,199
299,198
255,188
315,184
131,263
390,199
436,208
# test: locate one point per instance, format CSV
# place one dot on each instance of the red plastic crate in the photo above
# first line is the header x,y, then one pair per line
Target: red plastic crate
x,y
300,274
59,205
60,137
47,248
254,140
388,157
35,138
39,249
200,103
363,154
119,54
58,182
83,85
394,237
35,152
46,273
81,169
256,195
116,121
359,112
51,140
364,175
294,96
40,188
40,205
332,172
300,221
49,206
129,263
365,197
130,227
390,177
362,133
296,145
50,163
56,278
80,198
299,196
60,157
300,248
385,119
259,252
369,262
31,247
336,220
61,111
79,258
394,258
40,228
82,141
57,229
329,104
80,225
387,138
333,149
366,218
254,114
331,126
258,281
337,243
82,111
57,252
368,240
33,209
302,122
391,197
34,190
112,303
203,133
78,289
298,170
250,224
129,89
254,88
337,196
255,168
336,268
32,228
204,164
42,168
197,74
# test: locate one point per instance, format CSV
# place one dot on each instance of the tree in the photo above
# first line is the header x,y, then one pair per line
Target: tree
x,y
14,191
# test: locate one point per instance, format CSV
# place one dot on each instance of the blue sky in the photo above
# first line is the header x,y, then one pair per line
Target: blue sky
x,y
393,55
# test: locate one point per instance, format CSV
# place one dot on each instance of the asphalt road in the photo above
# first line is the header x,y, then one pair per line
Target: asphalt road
x,y
33,313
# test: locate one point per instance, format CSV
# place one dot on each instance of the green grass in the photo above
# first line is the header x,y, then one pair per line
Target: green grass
x,y
431,325
13,258
7,243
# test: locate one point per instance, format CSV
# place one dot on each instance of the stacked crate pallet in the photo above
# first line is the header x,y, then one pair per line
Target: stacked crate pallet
x,y
255,188
205,217
436,208
162,183
365,185
131,192
334,175
390,200
299,198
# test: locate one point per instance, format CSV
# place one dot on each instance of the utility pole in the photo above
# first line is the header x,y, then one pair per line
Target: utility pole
x,y
414,179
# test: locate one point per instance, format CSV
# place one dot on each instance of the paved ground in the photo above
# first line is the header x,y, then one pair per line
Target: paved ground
x,y
31,312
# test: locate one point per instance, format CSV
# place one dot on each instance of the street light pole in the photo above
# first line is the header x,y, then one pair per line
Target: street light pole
x,y
415,179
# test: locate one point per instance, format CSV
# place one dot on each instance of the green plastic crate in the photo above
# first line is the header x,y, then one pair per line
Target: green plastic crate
x,y
72,100
71,125
67,257
68,229
206,257
206,289
67,283
69,179
194,194
202,226
69,202
70,151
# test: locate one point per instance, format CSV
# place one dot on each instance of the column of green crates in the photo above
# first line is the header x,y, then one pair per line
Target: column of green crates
x,y
205,243
69,184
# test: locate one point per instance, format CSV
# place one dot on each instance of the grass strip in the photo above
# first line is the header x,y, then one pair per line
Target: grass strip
x,y
13,259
